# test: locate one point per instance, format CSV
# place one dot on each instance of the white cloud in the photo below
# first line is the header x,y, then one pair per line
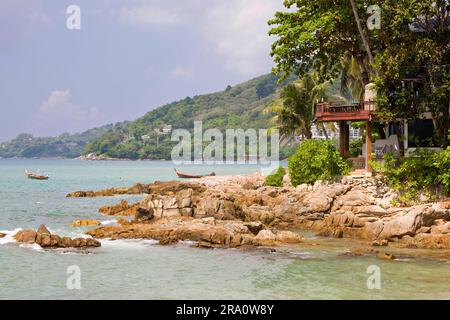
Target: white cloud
x,y
182,72
58,114
150,15
238,31
235,30
39,17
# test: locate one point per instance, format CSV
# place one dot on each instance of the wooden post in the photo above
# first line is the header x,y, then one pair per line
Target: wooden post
x,y
405,136
344,143
368,147
347,141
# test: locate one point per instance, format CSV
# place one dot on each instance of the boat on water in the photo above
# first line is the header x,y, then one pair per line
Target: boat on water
x,y
191,176
35,176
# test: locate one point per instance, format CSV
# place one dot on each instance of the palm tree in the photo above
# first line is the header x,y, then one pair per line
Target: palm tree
x,y
362,34
294,110
352,86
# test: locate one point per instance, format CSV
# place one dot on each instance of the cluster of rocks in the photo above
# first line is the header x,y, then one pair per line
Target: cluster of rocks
x,y
46,239
138,188
206,232
354,207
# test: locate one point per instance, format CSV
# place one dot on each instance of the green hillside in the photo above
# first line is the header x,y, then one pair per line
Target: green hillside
x,y
63,146
240,106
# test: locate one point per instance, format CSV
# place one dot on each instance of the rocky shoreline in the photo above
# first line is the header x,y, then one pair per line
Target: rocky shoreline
x,y
43,237
239,211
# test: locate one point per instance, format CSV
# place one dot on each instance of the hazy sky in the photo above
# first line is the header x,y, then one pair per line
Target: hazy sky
x,y
129,57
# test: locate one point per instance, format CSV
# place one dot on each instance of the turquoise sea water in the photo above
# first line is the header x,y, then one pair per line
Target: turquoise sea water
x,y
144,270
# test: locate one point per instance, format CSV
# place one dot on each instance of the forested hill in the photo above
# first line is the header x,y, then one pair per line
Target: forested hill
x,y
63,146
240,106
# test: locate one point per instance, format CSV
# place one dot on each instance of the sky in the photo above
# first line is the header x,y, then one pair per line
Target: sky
x,y
127,58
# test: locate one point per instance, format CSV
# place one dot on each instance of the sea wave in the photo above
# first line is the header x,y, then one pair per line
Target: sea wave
x,y
33,246
128,243
9,236
106,222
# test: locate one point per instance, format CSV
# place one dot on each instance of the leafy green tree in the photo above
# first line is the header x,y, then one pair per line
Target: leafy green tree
x,y
319,35
418,46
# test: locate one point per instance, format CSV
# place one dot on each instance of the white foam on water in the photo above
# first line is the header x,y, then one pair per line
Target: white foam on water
x,y
187,242
9,236
33,246
106,222
72,251
128,243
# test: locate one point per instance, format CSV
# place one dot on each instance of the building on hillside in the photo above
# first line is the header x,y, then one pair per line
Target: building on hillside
x,y
167,129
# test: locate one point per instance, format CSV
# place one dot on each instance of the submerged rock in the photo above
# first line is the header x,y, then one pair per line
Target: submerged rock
x,y
385,256
84,223
45,239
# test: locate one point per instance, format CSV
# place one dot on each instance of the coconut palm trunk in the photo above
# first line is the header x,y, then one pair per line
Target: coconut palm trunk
x,y
362,34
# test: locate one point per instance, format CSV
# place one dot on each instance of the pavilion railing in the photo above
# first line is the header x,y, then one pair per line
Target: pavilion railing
x,y
335,107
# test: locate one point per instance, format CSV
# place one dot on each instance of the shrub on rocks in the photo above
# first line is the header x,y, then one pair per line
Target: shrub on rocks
x,y
316,160
276,178
426,174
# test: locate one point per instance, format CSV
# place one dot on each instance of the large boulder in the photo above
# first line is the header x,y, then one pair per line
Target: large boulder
x,y
259,213
354,198
123,208
26,236
406,223
315,202
287,237
266,236
43,229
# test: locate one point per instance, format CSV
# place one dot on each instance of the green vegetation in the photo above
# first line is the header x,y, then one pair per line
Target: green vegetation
x,y
356,147
240,106
423,55
427,173
63,146
294,110
149,137
314,35
316,160
275,179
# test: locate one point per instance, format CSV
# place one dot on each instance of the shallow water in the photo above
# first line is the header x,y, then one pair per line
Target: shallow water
x,y
143,270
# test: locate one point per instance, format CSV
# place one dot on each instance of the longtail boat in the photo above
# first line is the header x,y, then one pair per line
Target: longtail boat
x,y
191,176
36,176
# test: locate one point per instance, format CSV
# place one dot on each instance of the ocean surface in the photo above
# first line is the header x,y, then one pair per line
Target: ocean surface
x,y
139,269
